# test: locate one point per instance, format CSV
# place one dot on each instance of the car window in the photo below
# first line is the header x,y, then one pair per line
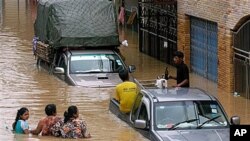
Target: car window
x,y
136,106
189,115
167,114
62,63
208,110
87,63
143,114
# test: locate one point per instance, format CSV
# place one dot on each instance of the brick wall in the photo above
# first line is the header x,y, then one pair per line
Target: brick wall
x,y
228,14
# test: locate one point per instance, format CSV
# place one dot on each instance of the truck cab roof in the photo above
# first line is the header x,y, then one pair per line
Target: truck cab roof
x,y
91,51
177,94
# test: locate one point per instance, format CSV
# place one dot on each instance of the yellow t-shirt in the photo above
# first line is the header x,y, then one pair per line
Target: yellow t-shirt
x,y
126,93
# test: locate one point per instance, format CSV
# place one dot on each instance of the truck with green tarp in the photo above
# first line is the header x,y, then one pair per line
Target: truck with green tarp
x,y
82,33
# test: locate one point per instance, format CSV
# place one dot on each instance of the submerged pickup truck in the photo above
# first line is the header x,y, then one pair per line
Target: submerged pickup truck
x,y
171,114
78,41
89,67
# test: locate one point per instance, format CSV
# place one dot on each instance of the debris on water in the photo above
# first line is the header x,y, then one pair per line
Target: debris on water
x,y
236,94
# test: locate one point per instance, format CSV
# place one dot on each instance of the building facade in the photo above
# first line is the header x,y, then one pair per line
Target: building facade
x,y
214,35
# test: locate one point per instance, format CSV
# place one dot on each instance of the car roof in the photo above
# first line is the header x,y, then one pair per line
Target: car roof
x,y
177,94
91,51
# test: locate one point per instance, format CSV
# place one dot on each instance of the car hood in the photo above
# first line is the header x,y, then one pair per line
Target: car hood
x,y
96,79
195,135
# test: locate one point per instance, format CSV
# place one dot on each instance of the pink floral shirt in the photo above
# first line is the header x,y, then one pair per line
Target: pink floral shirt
x,y
74,128
48,122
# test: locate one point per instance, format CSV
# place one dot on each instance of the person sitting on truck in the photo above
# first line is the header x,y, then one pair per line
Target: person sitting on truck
x,y
125,92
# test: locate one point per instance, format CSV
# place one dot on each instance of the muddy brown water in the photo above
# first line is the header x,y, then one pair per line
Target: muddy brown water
x,y
23,84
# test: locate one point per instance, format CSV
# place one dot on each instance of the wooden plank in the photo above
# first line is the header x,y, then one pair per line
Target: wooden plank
x,y
43,51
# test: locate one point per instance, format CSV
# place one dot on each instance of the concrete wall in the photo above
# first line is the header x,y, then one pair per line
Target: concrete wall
x,y
229,15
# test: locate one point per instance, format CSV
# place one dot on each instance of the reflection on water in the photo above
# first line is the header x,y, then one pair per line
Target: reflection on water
x,y
23,84
236,105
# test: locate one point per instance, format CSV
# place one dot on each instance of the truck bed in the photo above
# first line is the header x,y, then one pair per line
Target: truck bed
x,y
146,83
43,51
150,83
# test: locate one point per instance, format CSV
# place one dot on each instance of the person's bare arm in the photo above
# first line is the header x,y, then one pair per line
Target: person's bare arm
x,y
182,83
38,128
26,131
116,95
172,77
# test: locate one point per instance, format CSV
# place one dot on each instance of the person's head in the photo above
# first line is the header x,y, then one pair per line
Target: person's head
x,y
50,110
72,112
22,114
123,74
178,57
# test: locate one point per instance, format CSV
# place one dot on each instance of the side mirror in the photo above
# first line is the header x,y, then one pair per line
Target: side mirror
x,y
141,124
59,70
131,68
235,120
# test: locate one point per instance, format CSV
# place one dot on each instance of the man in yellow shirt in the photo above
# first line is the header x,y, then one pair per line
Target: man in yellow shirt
x,y
126,92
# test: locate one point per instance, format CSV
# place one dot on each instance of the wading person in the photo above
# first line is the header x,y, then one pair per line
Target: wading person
x,y
182,77
21,125
45,124
71,126
125,92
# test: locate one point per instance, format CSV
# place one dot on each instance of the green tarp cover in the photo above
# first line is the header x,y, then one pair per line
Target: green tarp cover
x,y
76,23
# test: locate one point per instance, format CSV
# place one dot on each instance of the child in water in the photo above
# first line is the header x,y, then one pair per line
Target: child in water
x,y
20,125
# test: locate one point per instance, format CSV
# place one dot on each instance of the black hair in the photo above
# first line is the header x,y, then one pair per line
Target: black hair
x,y
70,113
20,112
179,54
50,109
123,74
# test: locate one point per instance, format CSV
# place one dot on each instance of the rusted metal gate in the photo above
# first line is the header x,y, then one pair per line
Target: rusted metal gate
x,y
158,28
204,42
242,60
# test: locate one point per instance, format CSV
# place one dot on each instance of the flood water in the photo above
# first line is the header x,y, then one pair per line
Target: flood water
x,y
23,84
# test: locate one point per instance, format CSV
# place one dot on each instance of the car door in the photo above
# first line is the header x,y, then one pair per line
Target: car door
x,y
143,115
62,63
140,112
136,108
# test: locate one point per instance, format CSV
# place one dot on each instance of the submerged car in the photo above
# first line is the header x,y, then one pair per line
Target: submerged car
x,y
177,114
90,67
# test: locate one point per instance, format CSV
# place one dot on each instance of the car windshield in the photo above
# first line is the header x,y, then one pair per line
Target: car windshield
x,y
189,115
95,63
